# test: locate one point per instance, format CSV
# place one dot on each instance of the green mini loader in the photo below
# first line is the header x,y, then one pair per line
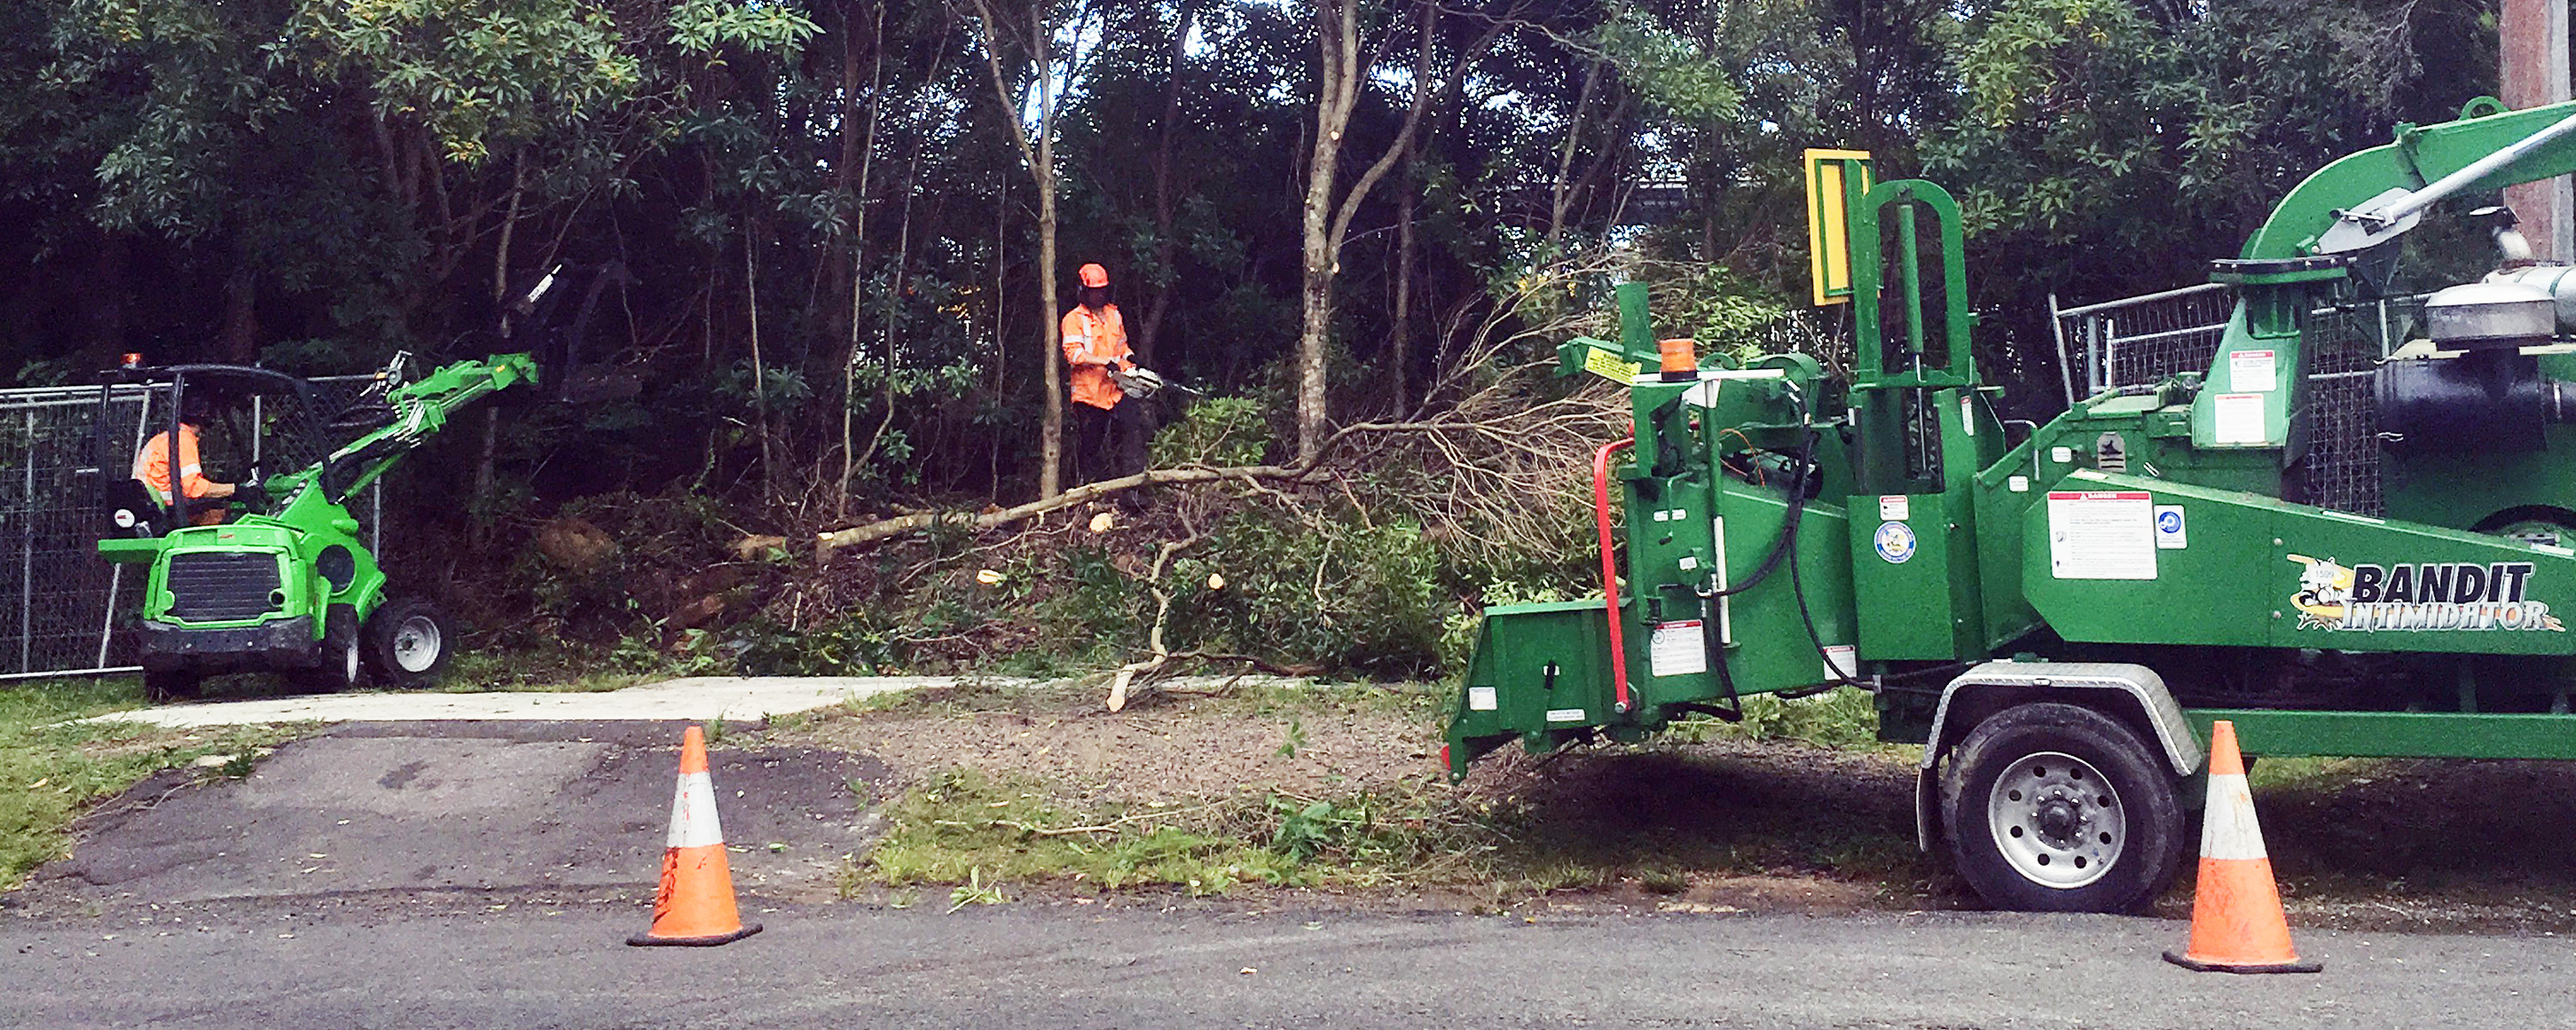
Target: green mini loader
x,y
2058,612
284,584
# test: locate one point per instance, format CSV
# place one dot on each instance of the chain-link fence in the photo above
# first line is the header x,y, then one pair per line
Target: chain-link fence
x,y
68,611
2140,341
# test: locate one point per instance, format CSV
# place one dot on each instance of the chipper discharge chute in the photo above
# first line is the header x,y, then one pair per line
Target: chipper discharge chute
x,y
2057,612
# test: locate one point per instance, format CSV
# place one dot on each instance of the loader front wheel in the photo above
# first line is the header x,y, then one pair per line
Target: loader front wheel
x,y
2059,808
409,642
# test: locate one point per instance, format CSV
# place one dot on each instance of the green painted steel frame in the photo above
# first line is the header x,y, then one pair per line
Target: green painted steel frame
x,y
2395,734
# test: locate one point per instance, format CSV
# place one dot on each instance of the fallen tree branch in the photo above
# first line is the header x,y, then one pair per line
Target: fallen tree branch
x,y
826,543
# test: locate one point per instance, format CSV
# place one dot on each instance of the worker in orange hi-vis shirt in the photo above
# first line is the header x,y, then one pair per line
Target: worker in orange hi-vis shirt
x,y
152,466
1107,429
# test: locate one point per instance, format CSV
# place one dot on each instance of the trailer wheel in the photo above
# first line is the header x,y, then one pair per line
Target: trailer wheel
x,y
169,685
409,642
2058,808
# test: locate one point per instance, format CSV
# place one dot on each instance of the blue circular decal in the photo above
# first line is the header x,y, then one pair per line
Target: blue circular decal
x,y
1895,542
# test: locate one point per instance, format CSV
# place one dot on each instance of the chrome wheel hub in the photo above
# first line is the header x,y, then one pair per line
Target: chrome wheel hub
x,y
2056,820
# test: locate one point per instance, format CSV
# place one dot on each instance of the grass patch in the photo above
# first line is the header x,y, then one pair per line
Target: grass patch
x,y
1836,719
51,772
962,827
560,670
2309,774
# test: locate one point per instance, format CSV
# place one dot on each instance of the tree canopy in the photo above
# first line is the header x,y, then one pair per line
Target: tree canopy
x,y
812,258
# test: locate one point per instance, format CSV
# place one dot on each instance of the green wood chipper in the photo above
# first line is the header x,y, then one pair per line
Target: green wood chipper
x,y
2057,612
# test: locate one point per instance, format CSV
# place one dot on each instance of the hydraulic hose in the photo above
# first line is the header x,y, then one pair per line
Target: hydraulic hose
x,y
1609,565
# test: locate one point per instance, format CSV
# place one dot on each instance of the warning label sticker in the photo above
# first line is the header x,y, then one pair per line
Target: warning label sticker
x,y
2252,371
2238,418
2101,534
1679,649
1841,661
1602,363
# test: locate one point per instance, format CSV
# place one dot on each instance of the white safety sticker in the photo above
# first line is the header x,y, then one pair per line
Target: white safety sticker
x,y
2062,455
2017,484
1841,661
2101,534
1480,699
2238,418
1565,715
1968,414
1894,508
1679,649
2169,528
1687,563
2252,371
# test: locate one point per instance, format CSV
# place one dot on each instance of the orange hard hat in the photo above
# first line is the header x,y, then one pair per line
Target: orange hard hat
x,y
1094,276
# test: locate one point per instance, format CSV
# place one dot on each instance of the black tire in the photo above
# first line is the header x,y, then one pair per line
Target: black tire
x,y
2033,827
409,643
169,685
337,667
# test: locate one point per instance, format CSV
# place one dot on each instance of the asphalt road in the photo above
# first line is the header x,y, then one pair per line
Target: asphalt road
x,y
487,874
1072,966
389,810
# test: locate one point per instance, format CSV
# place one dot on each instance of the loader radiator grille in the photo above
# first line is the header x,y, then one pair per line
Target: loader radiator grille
x,y
221,586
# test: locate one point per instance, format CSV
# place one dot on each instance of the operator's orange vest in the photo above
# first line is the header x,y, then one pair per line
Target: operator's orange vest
x,y
152,465
1095,338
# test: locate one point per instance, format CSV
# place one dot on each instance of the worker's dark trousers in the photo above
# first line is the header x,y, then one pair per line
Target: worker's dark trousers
x,y
1108,442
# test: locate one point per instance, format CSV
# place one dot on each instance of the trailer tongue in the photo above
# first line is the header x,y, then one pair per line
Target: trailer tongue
x,y
2037,608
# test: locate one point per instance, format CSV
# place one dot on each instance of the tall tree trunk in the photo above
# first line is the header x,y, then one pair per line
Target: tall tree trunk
x,y
1051,353
1166,249
1338,80
865,160
1001,334
1040,155
1337,90
759,370
1561,187
238,342
1400,342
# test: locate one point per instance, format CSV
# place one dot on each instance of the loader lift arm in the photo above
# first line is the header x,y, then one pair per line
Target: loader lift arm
x,y
409,415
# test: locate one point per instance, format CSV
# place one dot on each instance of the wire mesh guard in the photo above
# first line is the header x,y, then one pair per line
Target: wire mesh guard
x,y
68,611
2140,341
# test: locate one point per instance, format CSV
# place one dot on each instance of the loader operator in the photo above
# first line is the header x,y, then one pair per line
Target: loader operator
x,y
1110,439
152,466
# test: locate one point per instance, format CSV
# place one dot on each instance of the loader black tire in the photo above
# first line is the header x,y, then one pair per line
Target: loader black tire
x,y
336,668
2054,807
409,643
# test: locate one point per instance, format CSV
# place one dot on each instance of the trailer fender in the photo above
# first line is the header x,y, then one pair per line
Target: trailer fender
x,y
2131,693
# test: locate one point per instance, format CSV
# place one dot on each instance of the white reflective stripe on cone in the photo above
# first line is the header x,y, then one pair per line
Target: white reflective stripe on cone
x,y
2227,829
693,813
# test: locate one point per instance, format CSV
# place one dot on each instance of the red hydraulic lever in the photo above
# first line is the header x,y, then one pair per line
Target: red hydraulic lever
x,y
1609,568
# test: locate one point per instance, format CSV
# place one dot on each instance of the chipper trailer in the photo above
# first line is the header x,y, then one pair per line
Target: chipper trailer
x,y
2058,612
284,584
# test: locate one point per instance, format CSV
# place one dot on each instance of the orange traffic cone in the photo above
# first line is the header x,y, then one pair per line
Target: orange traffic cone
x,y
695,904
2237,925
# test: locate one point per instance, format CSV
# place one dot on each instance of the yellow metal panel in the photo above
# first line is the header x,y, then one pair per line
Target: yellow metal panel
x,y
1828,242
